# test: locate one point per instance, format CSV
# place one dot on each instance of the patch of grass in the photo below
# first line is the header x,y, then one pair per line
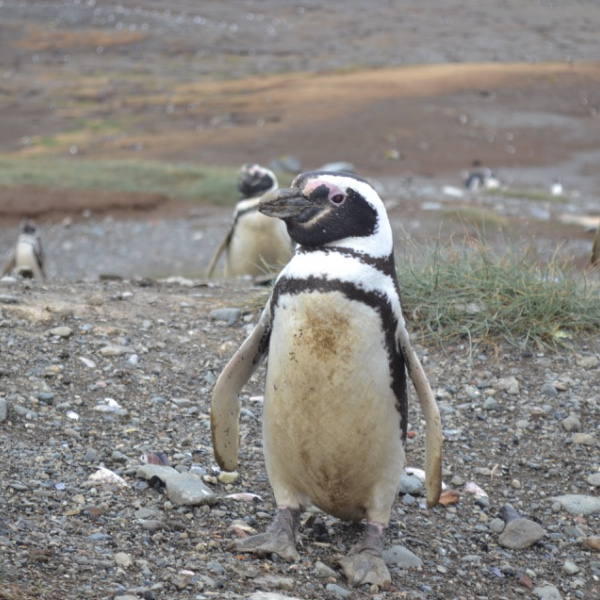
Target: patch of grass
x,y
478,218
213,185
469,293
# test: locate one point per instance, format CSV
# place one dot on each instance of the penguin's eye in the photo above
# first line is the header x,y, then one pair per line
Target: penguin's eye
x,y
337,199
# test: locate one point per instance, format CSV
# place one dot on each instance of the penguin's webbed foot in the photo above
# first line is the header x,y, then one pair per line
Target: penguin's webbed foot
x,y
279,539
364,563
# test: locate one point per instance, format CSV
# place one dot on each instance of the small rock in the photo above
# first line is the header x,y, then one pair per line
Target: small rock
x,y
322,570
519,532
509,385
490,403
229,315
402,557
547,592
593,479
123,559
409,484
112,350
3,410
63,332
570,568
583,439
337,590
579,504
549,390
587,362
269,596
592,543
285,583
571,423
21,411
227,477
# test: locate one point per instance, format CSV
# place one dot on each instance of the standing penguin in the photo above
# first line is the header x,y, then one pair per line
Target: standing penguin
x,y
335,409
28,259
254,242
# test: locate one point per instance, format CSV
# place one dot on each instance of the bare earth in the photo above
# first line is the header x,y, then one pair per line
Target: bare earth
x,y
411,93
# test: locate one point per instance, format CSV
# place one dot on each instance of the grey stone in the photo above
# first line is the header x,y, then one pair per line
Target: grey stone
x,y
509,385
63,332
549,390
547,592
229,315
578,504
570,568
3,410
322,570
337,590
402,557
21,411
583,439
409,484
270,596
593,479
521,533
490,403
571,423
183,489
496,525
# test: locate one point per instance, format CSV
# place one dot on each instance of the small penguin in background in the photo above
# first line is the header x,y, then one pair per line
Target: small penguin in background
x,y
254,243
335,413
481,179
28,258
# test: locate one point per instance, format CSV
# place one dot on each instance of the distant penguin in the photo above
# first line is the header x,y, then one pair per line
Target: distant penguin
x,y
336,406
481,179
28,258
556,188
254,243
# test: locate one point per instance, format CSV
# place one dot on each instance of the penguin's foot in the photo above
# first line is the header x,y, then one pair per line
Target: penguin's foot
x,y
364,563
279,539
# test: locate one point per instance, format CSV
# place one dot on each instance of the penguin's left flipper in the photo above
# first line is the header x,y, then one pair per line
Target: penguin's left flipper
x,y
9,266
225,405
433,436
223,246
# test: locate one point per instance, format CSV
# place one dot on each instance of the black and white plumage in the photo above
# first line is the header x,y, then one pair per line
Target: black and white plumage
x,y
28,257
481,179
254,242
335,410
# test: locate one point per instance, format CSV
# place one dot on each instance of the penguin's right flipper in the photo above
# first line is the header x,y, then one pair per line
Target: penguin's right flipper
x,y
225,405
224,245
10,265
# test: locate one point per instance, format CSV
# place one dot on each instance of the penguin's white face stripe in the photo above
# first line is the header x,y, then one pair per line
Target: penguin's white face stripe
x,y
344,211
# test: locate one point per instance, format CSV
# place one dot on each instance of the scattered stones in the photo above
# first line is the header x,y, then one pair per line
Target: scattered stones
x,y
549,390
402,557
323,571
578,504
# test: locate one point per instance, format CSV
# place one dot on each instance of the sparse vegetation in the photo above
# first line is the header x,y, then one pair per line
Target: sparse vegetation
x,y
521,194
183,181
468,292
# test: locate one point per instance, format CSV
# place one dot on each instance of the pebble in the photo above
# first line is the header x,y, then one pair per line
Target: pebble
x,y
337,590
587,362
23,412
578,504
183,489
571,423
592,543
593,479
583,439
547,592
510,385
123,559
112,350
227,477
490,403
322,570
3,410
497,525
409,484
402,557
549,390
63,332
519,532
268,596
229,315
570,568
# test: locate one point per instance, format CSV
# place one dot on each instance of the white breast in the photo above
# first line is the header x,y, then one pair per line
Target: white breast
x,y
331,427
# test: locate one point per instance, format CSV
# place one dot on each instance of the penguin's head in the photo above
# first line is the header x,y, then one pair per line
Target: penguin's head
x,y
28,226
323,208
254,180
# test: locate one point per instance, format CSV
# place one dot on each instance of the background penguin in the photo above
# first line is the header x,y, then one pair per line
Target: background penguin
x,y
254,243
28,259
335,409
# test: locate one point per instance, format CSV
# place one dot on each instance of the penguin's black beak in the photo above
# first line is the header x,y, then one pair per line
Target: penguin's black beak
x,y
286,203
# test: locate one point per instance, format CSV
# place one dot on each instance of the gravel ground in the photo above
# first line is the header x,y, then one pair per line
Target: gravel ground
x,y
100,374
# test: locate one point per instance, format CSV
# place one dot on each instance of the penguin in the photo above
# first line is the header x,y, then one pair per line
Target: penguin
x,y
556,188
481,179
254,243
336,407
28,258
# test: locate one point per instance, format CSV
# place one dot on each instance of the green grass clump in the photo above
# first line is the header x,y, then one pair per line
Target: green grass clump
x,y
535,195
214,185
468,292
